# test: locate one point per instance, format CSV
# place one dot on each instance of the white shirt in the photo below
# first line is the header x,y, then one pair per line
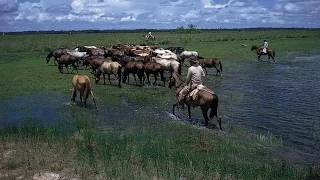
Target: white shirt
x,y
194,76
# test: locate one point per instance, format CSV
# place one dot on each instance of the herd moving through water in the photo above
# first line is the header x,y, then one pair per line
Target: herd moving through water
x,y
121,61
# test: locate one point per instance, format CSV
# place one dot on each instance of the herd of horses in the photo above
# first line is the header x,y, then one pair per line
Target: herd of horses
x,y
143,60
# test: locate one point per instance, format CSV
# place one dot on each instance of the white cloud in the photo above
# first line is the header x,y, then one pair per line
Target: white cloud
x,y
192,14
158,14
291,7
208,4
211,18
128,18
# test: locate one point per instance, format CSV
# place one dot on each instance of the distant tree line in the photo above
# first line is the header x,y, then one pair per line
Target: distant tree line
x,y
190,29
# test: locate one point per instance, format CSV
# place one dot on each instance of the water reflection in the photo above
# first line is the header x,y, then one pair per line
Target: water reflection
x,y
281,98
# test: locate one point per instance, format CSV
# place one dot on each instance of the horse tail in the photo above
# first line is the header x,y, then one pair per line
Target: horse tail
x,y
214,106
87,90
220,66
119,74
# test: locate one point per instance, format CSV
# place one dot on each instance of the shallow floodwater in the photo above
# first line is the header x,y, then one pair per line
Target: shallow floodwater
x,y
281,98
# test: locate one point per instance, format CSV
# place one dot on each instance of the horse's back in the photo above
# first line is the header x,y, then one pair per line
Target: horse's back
x,y
109,67
81,81
188,53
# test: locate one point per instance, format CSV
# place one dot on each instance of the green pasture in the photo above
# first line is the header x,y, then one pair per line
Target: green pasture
x,y
160,148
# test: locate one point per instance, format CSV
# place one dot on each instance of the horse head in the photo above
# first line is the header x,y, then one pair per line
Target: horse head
x,y
97,76
254,47
175,80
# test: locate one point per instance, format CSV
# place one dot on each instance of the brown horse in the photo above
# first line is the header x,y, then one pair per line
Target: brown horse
x,y
204,99
94,62
67,60
211,63
109,68
270,52
82,84
134,67
155,69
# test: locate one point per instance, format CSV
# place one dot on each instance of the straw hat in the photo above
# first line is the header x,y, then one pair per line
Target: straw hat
x,y
194,59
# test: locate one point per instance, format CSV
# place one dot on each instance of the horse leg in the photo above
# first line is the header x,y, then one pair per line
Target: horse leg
x,y
141,78
205,70
173,108
54,61
104,78
74,67
218,71
73,95
66,65
189,111
155,75
135,79
109,78
94,101
60,67
81,98
148,78
163,79
205,115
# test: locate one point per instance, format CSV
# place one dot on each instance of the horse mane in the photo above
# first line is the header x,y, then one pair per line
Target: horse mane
x,y
179,77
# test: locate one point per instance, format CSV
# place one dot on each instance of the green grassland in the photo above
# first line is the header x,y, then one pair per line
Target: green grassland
x,y
159,149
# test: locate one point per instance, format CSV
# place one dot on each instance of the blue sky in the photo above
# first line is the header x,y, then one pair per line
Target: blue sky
x,y
34,15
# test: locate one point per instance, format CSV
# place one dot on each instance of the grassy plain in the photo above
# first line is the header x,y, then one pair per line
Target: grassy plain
x,y
159,148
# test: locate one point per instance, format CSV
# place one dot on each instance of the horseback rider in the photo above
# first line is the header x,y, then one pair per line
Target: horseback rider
x,y
264,48
193,79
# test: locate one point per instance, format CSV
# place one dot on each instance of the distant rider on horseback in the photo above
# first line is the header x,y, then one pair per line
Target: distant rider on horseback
x,y
193,79
264,48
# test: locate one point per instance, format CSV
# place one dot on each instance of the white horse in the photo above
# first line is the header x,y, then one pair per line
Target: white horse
x,y
168,64
164,54
77,54
187,54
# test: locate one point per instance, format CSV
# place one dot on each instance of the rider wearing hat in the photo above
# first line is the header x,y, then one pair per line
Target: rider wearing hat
x,y
193,79
264,47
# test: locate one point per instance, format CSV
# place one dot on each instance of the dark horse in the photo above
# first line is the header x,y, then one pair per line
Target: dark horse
x,y
211,63
204,99
56,54
270,52
135,67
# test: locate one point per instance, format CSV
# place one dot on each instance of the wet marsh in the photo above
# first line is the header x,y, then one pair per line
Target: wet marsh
x,y
134,135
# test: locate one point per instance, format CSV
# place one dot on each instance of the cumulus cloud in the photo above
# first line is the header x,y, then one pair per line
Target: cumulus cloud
x,y
119,14
59,9
208,4
291,7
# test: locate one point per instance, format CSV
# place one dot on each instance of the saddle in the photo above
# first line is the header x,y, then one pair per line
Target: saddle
x,y
194,93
